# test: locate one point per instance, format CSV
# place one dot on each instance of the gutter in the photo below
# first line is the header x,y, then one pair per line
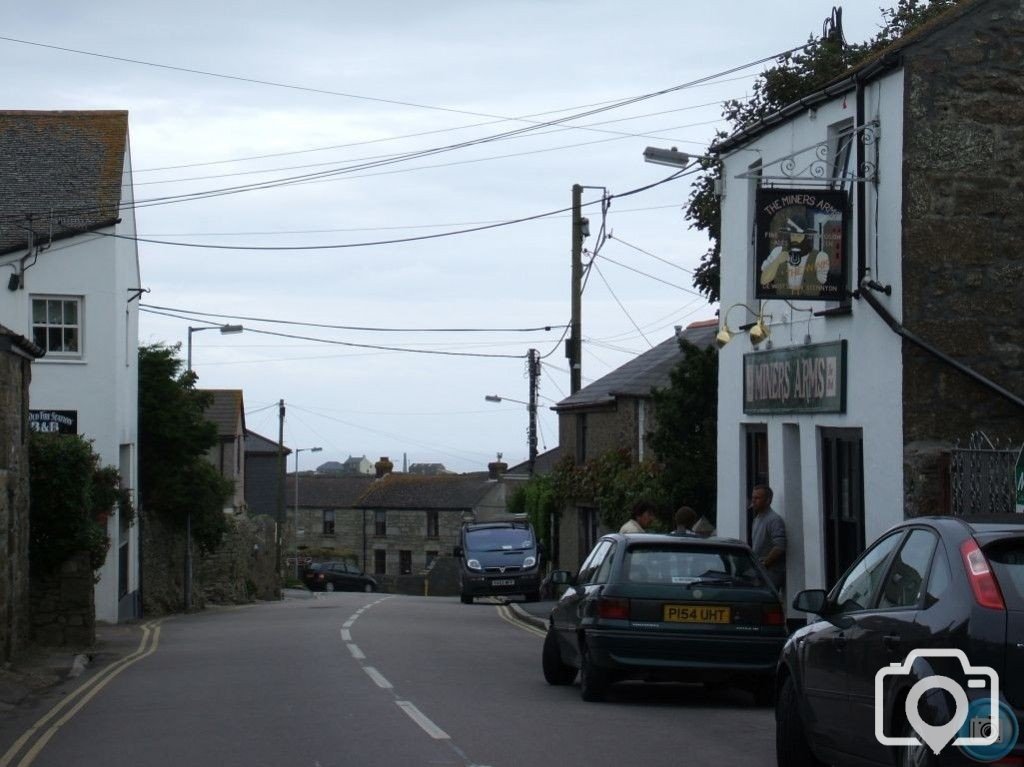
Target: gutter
x,y
865,293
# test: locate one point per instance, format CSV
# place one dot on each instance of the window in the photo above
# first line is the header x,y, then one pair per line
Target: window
x,y
432,524
404,562
581,437
905,583
56,325
380,562
431,557
329,522
856,590
594,561
380,523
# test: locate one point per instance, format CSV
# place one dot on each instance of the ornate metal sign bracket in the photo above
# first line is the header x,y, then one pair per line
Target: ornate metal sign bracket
x,y
822,163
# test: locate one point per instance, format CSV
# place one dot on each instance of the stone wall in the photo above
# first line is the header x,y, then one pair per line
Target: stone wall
x,y
963,271
64,605
15,627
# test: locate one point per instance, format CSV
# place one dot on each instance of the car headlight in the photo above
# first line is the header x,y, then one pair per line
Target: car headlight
x,y
529,562
473,564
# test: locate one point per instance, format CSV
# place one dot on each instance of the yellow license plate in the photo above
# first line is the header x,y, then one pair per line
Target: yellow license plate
x,y
697,614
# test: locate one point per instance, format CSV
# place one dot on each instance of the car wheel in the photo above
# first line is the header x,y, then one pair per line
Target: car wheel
x,y
467,599
368,588
913,756
555,671
328,586
594,680
533,596
791,747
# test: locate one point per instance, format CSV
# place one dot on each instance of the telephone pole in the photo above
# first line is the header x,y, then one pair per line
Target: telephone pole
x,y
280,486
574,345
533,362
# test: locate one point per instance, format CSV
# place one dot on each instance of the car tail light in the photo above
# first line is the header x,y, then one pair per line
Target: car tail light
x,y
319,576
772,615
616,609
979,573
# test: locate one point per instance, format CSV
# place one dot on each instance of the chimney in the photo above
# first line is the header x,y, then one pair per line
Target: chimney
x,y
496,468
383,466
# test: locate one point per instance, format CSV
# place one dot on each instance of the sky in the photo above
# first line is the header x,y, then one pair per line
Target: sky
x,y
365,123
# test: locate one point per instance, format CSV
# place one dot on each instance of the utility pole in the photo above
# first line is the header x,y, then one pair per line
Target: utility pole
x,y
280,486
533,362
574,345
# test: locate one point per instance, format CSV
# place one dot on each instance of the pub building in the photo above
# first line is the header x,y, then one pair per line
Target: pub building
x,y
871,289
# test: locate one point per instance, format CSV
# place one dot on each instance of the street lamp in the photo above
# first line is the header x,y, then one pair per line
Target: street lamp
x,y
671,157
295,516
224,329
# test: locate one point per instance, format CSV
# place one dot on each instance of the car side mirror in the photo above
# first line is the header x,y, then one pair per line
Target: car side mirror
x,y
811,601
562,578
457,551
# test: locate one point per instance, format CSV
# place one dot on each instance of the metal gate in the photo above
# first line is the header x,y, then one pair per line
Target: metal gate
x,y
981,476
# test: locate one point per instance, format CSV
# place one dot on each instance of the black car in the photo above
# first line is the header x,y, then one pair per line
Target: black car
x,y
337,576
665,608
927,585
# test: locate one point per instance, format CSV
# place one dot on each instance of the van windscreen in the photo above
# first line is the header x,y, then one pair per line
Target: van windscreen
x,y
499,539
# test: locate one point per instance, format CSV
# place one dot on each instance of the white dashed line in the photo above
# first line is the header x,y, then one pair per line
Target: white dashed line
x,y
356,652
421,719
346,635
348,624
377,677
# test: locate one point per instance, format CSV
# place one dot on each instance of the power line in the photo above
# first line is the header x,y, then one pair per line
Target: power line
x,y
621,306
651,276
611,236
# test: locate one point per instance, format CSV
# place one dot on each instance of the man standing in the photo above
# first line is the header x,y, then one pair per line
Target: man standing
x,y
641,517
768,535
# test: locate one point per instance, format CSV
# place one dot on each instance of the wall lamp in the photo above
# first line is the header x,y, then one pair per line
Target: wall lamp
x,y
671,157
757,330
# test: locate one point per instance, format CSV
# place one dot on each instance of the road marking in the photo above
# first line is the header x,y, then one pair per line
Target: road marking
x,y
348,624
377,677
87,691
421,719
356,652
346,635
508,615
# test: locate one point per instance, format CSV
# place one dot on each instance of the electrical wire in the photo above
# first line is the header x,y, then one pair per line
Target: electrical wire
x,y
621,306
651,276
612,236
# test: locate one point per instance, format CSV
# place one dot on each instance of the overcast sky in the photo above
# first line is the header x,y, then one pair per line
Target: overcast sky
x,y
368,81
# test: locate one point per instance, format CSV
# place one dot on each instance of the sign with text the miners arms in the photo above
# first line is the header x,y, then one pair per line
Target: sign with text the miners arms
x,y
799,379
799,251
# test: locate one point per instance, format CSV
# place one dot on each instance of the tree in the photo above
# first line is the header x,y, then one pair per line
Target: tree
x,y
685,438
175,478
71,495
794,76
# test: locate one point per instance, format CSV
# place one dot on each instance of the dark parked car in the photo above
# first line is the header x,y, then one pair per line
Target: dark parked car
x,y
665,608
928,584
338,576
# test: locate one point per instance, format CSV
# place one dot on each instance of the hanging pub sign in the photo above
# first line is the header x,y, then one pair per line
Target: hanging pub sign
x,y
800,379
799,254
53,421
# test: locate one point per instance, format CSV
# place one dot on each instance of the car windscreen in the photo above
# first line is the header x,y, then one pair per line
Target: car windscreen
x,y
499,539
1007,559
674,565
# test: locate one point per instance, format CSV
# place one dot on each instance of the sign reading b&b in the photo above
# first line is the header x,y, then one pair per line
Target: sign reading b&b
x,y
53,421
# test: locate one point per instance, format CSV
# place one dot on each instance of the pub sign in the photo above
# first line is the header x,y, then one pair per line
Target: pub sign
x,y
799,379
53,421
799,253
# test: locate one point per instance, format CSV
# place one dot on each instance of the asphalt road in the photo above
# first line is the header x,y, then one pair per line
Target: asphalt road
x,y
374,680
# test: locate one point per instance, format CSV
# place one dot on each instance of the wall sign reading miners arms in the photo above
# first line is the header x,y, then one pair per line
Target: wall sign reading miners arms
x,y
799,253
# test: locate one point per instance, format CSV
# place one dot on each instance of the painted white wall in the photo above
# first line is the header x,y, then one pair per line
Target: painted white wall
x,y
874,359
102,386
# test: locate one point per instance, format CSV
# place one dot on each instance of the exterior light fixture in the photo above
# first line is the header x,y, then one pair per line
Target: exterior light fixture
x,y
224,329
671,157
757,330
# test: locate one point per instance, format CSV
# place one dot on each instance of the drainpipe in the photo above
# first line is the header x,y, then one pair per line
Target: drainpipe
x,y
862,227
865,292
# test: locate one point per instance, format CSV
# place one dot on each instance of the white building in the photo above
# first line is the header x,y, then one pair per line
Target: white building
x,y
71,284
851,409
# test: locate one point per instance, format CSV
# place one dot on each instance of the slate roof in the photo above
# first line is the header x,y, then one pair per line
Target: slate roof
x,y
257,443
9,340
544,464
412,491
327,492
68,164
225,410
641,374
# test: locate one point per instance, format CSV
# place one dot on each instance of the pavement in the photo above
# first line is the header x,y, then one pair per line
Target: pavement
x,y
534,613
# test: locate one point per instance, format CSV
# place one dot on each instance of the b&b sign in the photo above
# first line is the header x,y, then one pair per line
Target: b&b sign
x,y
53,421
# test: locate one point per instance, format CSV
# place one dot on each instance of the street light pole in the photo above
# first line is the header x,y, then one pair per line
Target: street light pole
x,y
295,513
224,329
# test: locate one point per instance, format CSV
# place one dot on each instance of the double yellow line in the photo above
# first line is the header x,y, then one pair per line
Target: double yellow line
x,y
507,614
39,737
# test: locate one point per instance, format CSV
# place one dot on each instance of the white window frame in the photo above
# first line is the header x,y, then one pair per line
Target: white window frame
x,y
79,302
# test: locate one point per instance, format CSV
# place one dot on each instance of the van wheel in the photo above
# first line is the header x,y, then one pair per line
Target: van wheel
x,y
466,599
594,680
555,671
328,586
791,747
368,588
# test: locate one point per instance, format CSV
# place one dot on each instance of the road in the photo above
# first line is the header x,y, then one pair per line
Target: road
x,y
371,680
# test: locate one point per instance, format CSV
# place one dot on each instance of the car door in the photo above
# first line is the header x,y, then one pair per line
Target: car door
x,y
884,634
568,612
823,651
